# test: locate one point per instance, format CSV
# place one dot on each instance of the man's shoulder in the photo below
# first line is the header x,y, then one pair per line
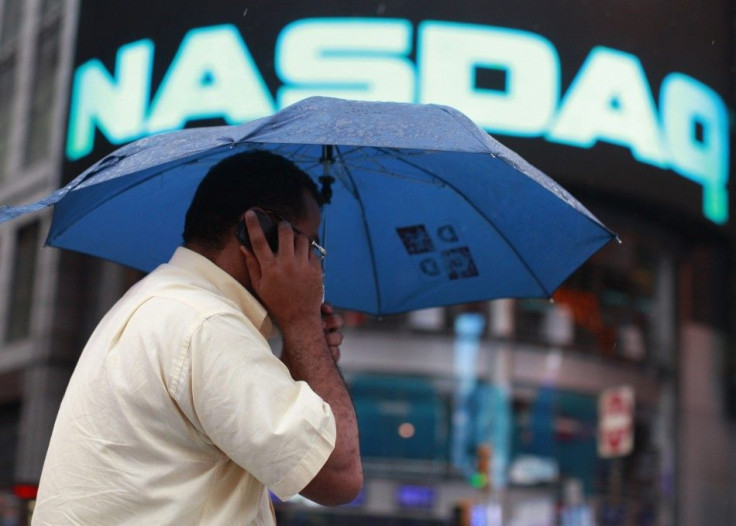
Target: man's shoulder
x,y
181,291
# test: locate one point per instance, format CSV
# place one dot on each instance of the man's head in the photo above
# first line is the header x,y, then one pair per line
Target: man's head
x,y
240,182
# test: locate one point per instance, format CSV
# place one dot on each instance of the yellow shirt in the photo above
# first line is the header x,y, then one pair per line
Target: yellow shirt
x,y
179,413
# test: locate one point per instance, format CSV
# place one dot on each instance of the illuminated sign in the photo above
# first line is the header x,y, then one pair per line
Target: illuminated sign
x,y
213,74
413,496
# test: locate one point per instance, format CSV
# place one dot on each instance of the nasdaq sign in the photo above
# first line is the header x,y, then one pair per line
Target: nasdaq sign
x,y
684,127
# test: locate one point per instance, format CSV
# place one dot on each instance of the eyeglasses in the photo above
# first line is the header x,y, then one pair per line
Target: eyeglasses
x,y
319,250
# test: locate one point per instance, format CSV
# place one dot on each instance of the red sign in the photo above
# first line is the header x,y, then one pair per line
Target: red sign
x,y
616,422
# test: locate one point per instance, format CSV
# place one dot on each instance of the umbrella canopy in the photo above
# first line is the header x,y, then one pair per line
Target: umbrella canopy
x,y
427,209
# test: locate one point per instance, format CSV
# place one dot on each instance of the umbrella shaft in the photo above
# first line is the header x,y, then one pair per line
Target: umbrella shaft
x,y
327,179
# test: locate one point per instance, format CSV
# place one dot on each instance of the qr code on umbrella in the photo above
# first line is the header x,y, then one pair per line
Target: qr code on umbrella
x,y
459,263
416,239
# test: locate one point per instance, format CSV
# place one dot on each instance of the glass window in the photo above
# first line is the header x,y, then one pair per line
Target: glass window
x,y
10,25
38,136
9,428
7,90
50,8
22,283
608,307
404,419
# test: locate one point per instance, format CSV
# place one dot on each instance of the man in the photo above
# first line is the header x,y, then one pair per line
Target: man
x,y
178,412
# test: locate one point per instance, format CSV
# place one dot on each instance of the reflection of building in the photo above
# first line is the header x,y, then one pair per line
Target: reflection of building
x,y
651,313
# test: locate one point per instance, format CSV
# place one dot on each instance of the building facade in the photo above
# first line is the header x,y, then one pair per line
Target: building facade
x,y
468,413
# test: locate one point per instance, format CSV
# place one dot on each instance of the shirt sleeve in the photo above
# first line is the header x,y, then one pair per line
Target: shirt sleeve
x,y
247,403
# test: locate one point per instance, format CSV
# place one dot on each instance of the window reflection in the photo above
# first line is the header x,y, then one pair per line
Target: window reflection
x,y
7,91
37,143
608,307
22,283
10,24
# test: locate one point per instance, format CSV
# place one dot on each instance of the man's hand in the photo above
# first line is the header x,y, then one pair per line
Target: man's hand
x,y
332,324
289,283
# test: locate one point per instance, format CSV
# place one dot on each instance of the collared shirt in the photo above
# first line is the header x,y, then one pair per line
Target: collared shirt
x,y
179,413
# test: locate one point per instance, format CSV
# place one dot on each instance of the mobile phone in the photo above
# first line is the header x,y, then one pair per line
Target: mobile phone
x,y
270,231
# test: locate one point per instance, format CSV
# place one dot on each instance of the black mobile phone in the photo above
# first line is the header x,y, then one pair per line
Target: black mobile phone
x,y
270,230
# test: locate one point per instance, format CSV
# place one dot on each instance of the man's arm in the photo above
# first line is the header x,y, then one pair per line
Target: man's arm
x,y
290,285
309,359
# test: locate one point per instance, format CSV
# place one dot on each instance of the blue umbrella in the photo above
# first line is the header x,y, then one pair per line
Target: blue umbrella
x,y
427,209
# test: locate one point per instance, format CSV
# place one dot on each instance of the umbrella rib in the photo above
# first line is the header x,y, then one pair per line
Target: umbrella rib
x,y
472,205
379,301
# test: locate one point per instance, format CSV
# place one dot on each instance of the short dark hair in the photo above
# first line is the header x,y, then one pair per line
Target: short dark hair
x,y
240,182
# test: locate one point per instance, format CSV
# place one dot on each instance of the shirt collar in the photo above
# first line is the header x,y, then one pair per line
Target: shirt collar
x,y
225,284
